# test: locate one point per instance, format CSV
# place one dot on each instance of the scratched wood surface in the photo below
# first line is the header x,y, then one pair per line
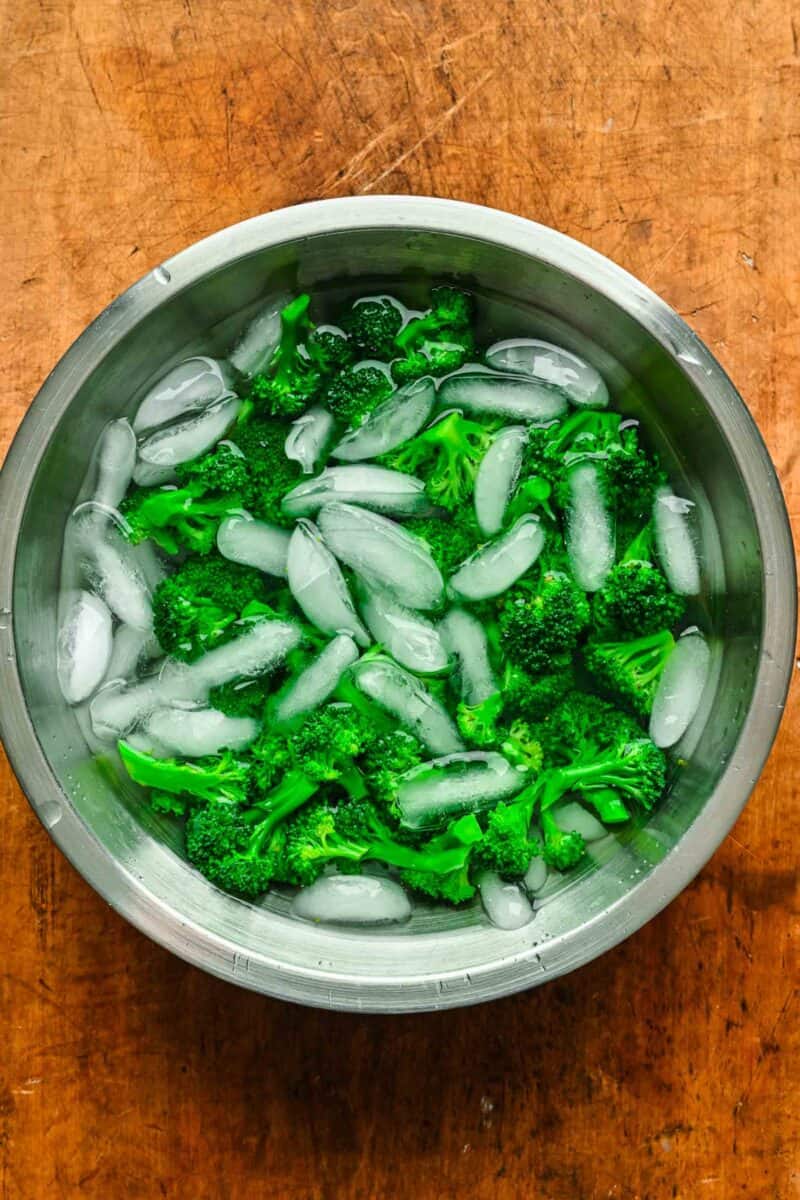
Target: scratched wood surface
x,y
664,134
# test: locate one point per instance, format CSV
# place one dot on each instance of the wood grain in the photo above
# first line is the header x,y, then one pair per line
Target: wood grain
x,y
665,134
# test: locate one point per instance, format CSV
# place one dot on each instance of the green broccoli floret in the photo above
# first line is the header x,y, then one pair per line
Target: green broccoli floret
x,y
635,597
355,391
245,852
372,325
440,357
541,623
562,850
168,805
451,311
241,697
631,477
447,455
291,380
534,696
388,756
329,739
222,778
329,349
176,519
478,723
444,871
521,745
550,448
581,724
630,670
450,540
198,606
506,846
223,469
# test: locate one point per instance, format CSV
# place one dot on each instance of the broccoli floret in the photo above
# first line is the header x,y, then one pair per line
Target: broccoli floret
x,y
631,477
541,624
521,745
223,469
354,831
450,540
241,697
478,723
166,804
197,608
447,455
388,756
635,597
330,739
236,852
451,311
373,324
580,725
534,696
355,391
444,872
176,518
630,670
330,349
552,447
562,850
449,352
506,846
291,380
271,474
223,778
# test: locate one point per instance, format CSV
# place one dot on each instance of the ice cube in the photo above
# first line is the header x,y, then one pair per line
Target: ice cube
x,y
116,456
109,564
553,365
572,817
352,900
383,554
536,876
590,531
318,585
308,436
494,568
187,388
407,699
676,551
497,477
131,647
504,902
192,733
410,638
680,689
471,781
254,543
116,709
369,486
191,437
317,682
147,474
257,651
464,636
393,422
517,397
83,647
260,339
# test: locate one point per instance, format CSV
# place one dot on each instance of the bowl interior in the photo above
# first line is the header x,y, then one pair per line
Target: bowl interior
x,y
439,949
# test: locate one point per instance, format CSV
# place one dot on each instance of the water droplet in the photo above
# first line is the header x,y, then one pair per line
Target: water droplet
x,y
50,813
162,275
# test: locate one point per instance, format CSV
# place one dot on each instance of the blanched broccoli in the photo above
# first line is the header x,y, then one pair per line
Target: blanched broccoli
x,y
635,597
534,696
630,670
225,778
176,518
506,846
440,357
451,311
478,723
198,606
372,325
241,697
541,623
292,379
389,755
451,539
354,392
443,872
447,454
329,349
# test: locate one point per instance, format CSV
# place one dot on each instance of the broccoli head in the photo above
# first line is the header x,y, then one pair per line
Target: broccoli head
x,y
507,846
329,349
439,357
176,519
534,696
630,670
447,454
292,379
235,854
541,624
198,606
478,723
372,325
451,312
450,540
635,597
355,391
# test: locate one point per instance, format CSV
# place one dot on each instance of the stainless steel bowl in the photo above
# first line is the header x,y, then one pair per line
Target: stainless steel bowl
x,y
654,364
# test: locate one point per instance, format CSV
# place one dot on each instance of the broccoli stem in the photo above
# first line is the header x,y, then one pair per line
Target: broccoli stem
x,y
291,793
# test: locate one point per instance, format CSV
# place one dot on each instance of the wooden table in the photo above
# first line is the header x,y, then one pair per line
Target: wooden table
x,y
664,134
